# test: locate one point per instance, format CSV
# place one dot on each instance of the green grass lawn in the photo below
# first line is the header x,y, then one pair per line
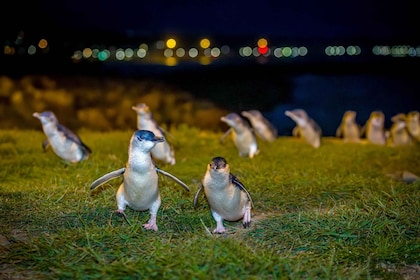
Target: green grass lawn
x,y
337,212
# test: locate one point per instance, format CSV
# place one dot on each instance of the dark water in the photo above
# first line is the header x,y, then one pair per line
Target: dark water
x,y
327,97
325,92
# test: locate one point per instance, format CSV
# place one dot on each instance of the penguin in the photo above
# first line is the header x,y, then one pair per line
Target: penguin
x,y
261,126
242,135
226,195
374,128
306,127
413,124
398,133
65,143
163,153
349,129
139,189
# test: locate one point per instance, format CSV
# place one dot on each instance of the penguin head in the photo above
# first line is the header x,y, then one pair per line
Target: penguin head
x,y
146,135
298,115
142,109
252,114
218,163
377,118
144,140
46,117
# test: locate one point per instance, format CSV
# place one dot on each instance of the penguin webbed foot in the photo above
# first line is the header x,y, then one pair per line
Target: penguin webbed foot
x,y
246,224
151,224
120,212
219,230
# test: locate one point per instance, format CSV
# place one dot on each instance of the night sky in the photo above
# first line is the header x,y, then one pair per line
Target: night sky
x,y
302,19
362,21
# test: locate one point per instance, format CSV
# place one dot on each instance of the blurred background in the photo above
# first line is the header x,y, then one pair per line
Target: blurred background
x,y
193,61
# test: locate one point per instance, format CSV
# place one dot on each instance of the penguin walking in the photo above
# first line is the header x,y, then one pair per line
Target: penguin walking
x,y
349,129
306,127
139,189
261,126
163,153
374,128
398,133
226,195
413,125
65,143
242,135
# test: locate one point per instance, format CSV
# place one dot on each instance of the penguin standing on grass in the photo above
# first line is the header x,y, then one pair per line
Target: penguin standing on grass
x,y
242,135
226,195
139,189
374,130
306,127
413,125
349,129
64,142
261,126
163,153
398,133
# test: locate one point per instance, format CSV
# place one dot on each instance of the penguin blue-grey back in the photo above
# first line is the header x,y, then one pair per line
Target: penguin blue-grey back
x,y
242,135
306,127
226,195
261,126
139,189
163,153
65,143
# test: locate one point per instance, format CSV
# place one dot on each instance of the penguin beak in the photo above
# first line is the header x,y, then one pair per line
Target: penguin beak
x,y
159,139
213,166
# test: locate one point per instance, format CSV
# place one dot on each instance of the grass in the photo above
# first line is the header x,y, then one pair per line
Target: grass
x,y
327,213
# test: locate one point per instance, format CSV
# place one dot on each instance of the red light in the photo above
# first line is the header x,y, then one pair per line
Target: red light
x,y
263,50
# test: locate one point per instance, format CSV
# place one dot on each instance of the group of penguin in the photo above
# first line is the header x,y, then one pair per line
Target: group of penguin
x,y
227,197
405,128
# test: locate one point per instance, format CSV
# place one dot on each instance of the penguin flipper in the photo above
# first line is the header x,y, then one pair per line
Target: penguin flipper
x,y
109,176
239,184
197,196
165,132
173,178
45,144
339,131
222,139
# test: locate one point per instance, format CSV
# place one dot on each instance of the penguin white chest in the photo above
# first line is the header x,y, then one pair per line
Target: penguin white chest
x,y
64,147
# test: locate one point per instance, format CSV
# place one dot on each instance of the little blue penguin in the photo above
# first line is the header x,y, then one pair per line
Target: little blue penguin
x,y
398,133
163,153
413,124
306,127
374,128
349,129
64,142
139,189
262,127
226,195
242,135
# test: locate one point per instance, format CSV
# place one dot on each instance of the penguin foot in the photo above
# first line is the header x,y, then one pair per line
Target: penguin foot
x,y
120,212
151,224
246,221
219,228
